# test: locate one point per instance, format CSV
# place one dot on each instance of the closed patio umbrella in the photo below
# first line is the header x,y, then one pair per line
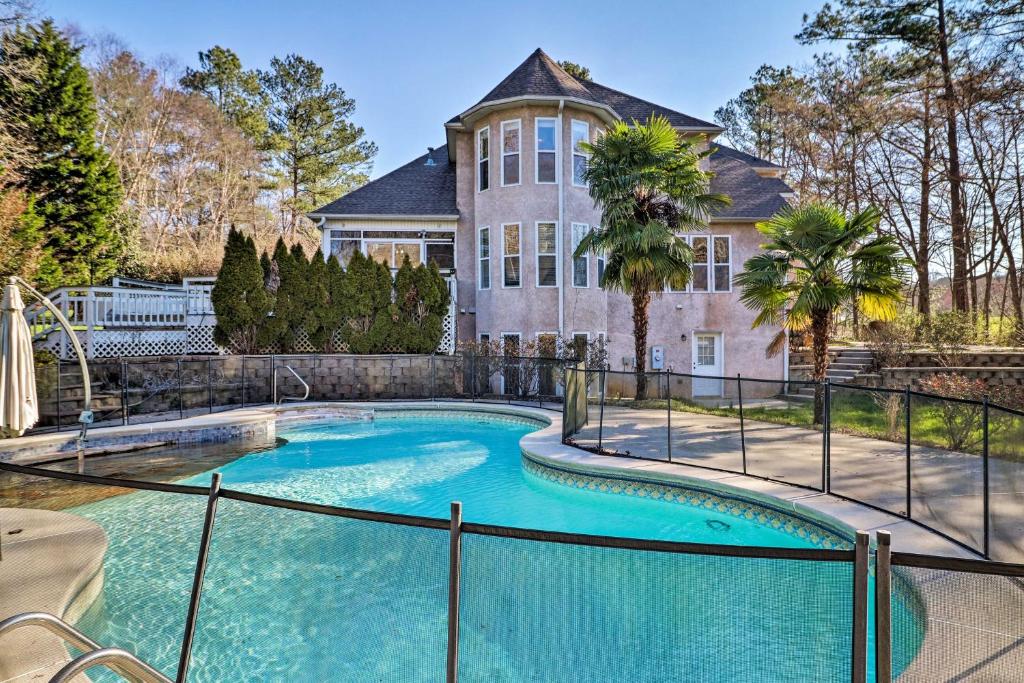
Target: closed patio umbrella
x,y
19,407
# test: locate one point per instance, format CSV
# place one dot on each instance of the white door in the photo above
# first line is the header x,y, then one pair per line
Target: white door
x,y
707,360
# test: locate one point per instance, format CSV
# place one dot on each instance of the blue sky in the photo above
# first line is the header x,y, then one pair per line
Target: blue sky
x,y
411,66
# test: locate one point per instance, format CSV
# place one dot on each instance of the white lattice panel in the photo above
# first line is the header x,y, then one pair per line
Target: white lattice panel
x,y
115,343
200,339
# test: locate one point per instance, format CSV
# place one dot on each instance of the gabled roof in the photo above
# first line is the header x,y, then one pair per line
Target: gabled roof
x,y
753,196
416,189
539,76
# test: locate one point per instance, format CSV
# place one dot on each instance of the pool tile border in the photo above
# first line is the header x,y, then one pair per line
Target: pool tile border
x,y
695,496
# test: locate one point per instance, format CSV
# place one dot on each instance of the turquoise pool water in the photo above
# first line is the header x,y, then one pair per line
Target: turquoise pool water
x,y
301,597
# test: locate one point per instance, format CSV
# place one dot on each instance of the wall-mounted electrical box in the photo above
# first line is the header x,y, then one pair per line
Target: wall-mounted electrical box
x,y
657,358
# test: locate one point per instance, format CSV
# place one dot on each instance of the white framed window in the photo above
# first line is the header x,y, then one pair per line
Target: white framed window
x,y
547,254
685,238
580,264
721,261
701,279
510,146
483,253
483,158
580,159
511,255
344,243
547,150
600,269
580,340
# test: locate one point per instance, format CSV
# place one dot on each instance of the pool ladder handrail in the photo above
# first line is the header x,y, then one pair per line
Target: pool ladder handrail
x,y
294,374
119,661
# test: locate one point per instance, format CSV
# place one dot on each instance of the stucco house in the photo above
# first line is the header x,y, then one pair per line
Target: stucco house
x,y
502,205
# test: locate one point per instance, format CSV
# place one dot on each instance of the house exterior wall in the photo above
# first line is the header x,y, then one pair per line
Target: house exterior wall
x,y
529,310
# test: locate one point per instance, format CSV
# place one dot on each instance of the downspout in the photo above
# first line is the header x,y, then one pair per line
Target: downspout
x,y
325,244
561,224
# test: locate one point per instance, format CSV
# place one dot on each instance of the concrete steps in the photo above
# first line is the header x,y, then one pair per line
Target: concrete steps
x,y
844,369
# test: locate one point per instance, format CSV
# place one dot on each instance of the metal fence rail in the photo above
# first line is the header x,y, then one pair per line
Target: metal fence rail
x,y
951,465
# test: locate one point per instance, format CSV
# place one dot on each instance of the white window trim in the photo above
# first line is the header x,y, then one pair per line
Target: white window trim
x,y
711,254
600,260
520,255
572,169
477,159
585,257
518,125
537,150
480,257
536,247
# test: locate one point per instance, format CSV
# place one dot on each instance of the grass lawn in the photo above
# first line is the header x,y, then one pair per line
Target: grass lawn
x,y
878,415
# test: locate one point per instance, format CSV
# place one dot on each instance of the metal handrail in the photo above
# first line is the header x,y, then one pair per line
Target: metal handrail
x,y
124,663
114,658
296,375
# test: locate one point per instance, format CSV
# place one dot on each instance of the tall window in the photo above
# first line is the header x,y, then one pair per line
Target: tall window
x,y
580,340
580,159
547,255
483,156
699,282
510,152
511,256
721,254
687,287
600,269
344,243
547,151
580,264
484,256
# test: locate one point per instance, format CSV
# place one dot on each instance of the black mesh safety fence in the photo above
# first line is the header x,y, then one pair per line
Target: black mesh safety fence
x,y
1006,484
615,614
963,620
116,561
868,454
947,468
706,431
783,441
635,415
297,595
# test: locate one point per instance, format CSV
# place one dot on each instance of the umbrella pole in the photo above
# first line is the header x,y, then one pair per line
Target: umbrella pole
x,y
85,417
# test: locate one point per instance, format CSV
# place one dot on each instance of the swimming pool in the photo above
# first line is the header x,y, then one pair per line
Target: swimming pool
x,y
296,596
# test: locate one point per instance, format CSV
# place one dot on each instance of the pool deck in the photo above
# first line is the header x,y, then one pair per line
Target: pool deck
x,y
959,639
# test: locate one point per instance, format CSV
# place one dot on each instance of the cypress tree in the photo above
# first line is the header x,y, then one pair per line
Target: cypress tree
x,y
317,298
421,297
239,299
276,332
334,311
77,187
366,296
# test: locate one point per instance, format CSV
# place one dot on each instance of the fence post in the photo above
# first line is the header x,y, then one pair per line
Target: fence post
x,y
985,476
273,379
209,382
859,664
472,376
124,392
826,439
243,380
600,418
906,411
181,405
454,581
433,378
197,579
668,402
743,435
60,394
883,608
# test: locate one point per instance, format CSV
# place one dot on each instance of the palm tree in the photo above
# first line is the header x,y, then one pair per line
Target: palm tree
x,y
817,260
649,185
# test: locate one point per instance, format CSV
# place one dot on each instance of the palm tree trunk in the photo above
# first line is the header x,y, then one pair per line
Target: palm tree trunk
x,y
641,303
819,344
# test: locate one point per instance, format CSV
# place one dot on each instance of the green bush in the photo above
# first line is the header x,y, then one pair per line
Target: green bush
x,y
239,298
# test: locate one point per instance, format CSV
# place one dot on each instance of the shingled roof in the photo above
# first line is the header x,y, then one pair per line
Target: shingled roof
x,y
416,189
753,196
541,76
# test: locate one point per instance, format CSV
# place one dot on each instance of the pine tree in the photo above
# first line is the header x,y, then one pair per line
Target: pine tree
x,y
319,153
235,92
76,186
239,298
